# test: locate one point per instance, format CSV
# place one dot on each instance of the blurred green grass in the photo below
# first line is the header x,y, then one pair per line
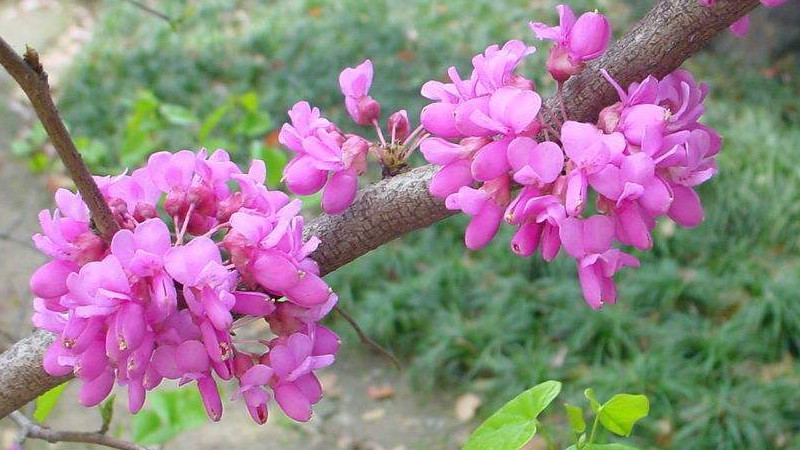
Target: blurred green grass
x,y
708,328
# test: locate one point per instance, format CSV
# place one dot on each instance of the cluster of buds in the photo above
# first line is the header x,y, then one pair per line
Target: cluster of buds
x,y
159,301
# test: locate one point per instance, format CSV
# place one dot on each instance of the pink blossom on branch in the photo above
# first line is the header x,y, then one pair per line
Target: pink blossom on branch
x,y
576,41
639,162
159,301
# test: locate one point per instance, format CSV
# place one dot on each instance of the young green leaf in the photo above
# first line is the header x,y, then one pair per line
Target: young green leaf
x,y
211,122
46,402
619,414
589,394
514,424
576,420
177,115
107,413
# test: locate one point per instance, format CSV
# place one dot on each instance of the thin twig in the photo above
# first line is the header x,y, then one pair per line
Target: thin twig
x,y
150,10
366,340
31,77
35,431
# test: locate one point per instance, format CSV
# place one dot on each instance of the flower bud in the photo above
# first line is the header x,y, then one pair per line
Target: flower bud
x,y
589,37
363,110
560,65
398,125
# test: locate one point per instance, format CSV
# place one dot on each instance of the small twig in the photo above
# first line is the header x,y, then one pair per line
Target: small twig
x,y
366,340
150,11
33,430
31,77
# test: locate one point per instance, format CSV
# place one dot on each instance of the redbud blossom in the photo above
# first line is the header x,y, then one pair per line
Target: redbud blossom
x,y
576,41
158,302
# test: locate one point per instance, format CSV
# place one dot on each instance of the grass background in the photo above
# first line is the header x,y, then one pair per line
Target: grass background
x,y
708,328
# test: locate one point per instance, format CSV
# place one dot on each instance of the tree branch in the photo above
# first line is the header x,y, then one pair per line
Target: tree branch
x,y
32,78
35,431
150,10
670,33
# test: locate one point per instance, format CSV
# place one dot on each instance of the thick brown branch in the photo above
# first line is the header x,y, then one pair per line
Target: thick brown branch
x,y
382,212
30,76
35,431
672,32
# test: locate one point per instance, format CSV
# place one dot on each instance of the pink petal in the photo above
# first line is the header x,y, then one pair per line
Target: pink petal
x,y
589,36
211,399
191,357
439,120
526,239
451,178
302,176
95,391
310,291
441,152
483,226
50,280
274,271
340,192
490,162
686,209
591,285
293,402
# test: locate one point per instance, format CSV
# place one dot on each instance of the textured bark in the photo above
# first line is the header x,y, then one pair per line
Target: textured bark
x,y
382,212
22,377
670,33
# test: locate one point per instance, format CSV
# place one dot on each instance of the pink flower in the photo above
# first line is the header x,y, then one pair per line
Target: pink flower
x,y
741,27
323,153
577,41
538,217
535,164
589,242
486,206
156,305
293,361
355,83
590,151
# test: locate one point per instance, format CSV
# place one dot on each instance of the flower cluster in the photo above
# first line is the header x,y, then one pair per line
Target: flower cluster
x,y
641,160
327,158
159,302
741,27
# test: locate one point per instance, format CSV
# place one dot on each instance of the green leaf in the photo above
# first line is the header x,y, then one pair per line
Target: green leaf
x,y
253,125
249,102
514,424
619,414
177,115
47,401
576,420
614,446
170,413
107,412
211,122
589,394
